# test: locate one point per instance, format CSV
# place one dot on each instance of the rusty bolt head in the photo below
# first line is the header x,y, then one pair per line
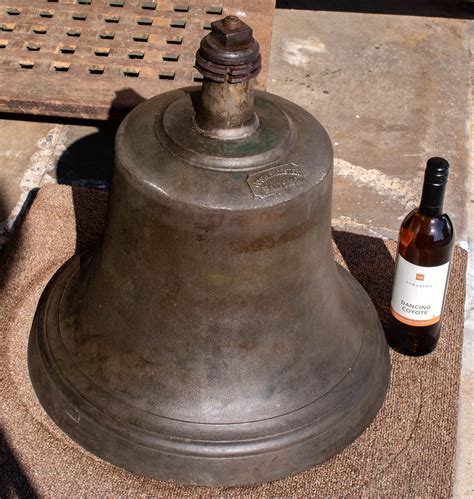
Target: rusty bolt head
x,y
231,32
229,53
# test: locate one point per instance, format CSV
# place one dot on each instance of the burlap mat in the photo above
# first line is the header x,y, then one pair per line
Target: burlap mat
x,y
407,451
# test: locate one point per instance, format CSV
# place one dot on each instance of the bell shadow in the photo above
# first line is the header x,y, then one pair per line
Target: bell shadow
x,y
461,9
370,262
89,163
13,480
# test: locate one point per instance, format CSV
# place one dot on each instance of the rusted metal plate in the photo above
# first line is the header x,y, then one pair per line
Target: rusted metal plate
x,y
98,58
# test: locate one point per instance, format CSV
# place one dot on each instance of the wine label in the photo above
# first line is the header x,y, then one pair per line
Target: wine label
x,y
418,292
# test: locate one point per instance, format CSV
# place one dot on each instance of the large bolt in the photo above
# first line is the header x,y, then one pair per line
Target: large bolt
x,y
229,53
231,33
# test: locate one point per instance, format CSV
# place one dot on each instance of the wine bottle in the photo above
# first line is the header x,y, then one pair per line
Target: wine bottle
x,y
423,261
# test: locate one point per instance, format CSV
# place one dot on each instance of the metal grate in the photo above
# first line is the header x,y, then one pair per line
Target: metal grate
x,y
97,58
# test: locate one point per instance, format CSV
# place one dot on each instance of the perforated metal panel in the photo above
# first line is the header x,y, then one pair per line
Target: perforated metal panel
x,y
97,58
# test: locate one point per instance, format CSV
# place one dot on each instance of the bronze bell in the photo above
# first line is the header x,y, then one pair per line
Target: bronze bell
x,y
211,338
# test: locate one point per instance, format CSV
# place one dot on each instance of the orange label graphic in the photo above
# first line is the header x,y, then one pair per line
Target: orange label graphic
x,y
420,277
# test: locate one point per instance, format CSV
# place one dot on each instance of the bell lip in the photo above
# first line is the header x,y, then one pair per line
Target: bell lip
x,y
120,443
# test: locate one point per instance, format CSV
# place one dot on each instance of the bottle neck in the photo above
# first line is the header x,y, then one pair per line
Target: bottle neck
x,y
432,199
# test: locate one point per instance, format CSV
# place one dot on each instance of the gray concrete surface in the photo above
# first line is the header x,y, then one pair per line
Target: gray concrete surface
x,y
391,91
464,482
21,148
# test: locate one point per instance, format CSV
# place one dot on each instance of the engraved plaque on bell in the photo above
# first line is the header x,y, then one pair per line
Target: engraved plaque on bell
x,y
211,338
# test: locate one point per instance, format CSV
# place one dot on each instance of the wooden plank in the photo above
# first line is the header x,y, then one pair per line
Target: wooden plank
x,y
96,58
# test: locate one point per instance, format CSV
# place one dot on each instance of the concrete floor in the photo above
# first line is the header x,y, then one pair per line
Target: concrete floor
x,y
464,482
391,90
